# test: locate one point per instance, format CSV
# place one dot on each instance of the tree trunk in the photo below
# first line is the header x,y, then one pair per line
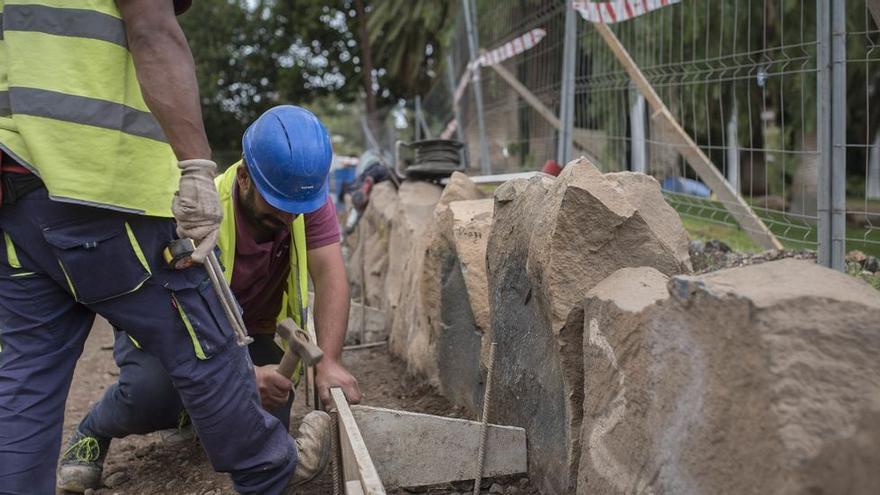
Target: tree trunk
x,y
366,64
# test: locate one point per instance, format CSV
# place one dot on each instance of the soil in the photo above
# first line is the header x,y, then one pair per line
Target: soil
x,y
150,464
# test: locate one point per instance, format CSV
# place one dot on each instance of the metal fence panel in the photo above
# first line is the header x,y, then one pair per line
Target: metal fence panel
x,y
751,82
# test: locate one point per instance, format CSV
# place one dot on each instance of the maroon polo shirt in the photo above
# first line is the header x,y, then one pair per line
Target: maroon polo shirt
x,y
259,275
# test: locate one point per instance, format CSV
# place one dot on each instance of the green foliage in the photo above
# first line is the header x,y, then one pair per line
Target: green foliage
x,y
408,38
251,56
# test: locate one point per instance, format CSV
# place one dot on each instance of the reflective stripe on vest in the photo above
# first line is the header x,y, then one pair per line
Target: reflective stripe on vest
x,y
71,108
292,306
81,110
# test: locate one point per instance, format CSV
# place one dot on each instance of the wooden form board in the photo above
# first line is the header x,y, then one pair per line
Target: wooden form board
x,y
412,449
699,161
359,473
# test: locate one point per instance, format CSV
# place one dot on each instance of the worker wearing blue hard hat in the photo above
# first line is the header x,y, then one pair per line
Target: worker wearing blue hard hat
x,y
279,231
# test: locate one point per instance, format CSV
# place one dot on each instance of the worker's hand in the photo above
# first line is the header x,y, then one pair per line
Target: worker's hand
x,y
196,206
328,374
274,388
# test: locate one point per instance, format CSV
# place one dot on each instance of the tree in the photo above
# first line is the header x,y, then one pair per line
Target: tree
x,y
408,37
251,56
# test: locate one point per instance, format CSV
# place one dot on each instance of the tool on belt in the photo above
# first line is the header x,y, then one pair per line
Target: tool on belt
x,y
178,255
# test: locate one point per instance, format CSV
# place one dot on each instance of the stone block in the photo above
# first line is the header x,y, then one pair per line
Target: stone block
x,y
552,240
762,379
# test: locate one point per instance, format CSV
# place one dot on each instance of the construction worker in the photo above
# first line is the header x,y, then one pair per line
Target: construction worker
x,y
269,244
99,126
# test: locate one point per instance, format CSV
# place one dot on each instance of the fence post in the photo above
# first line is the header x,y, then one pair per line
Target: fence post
x,y
638,127
831,133
470,19
417,113
565,149
838,130
733,146
456,111
823,132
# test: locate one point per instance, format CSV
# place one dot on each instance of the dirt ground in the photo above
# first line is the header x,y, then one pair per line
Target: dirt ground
x,y
148,464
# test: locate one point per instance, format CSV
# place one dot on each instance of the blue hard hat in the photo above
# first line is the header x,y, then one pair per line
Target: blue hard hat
x,y
288,154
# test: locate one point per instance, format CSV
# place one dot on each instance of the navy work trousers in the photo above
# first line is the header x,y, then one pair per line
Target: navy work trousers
x,y
63,264
144,400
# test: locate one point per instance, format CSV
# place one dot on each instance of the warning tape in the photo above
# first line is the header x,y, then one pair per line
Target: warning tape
x,y
450,129
495,56
617,10
512,48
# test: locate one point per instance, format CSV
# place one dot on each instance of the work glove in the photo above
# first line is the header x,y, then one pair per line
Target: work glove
x,y
196,206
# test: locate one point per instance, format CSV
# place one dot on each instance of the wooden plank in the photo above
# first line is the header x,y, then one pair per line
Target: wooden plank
x,y
412,449
311,390
353,488
357,465
874,7
527,95
699,161
580,137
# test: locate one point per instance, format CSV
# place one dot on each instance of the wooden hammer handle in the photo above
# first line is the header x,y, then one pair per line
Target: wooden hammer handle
x,y
288,364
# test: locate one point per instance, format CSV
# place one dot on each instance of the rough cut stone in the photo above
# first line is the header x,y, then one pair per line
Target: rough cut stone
x,y
370,254
369,321
455,297
409,241
427,301
550,243
763,379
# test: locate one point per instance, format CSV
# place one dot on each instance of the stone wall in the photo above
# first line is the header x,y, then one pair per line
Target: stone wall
x,y
628,374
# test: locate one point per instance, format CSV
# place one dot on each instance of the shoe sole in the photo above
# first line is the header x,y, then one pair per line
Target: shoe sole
x,y
78,479
325,463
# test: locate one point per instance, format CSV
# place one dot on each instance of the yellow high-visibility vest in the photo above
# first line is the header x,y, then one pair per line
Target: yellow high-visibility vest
x,y
71,108
296,296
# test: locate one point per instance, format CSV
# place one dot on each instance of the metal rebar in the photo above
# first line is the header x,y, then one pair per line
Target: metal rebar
x,y
484,426
361,347
335,465
361,247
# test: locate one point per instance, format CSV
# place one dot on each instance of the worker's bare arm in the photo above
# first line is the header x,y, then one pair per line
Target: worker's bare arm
x,y
166,72
331,320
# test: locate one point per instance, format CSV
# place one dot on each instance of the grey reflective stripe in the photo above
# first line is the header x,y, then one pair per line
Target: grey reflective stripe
x,y
77,23
82,110
1,25
5,107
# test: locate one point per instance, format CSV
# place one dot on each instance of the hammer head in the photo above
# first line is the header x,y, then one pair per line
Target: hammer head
x,y
298,342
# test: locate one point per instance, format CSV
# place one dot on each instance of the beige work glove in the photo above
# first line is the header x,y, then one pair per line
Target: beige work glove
x,y
196,206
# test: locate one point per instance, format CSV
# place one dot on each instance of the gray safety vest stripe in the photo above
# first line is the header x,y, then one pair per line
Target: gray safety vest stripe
x,y
77,23
80,110
1,25
5,105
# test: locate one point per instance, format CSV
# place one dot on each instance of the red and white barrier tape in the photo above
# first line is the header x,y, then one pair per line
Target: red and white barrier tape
x,y
617,10
450,130
512,48
497,55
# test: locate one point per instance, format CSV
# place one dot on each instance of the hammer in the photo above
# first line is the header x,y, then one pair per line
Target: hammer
x,y
299,348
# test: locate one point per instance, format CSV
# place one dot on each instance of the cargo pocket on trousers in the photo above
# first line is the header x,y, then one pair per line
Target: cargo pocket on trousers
x,y
100,259
204,319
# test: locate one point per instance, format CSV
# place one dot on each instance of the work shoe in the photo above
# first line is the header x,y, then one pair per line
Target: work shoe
x,y
82,463
183,433
313,448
